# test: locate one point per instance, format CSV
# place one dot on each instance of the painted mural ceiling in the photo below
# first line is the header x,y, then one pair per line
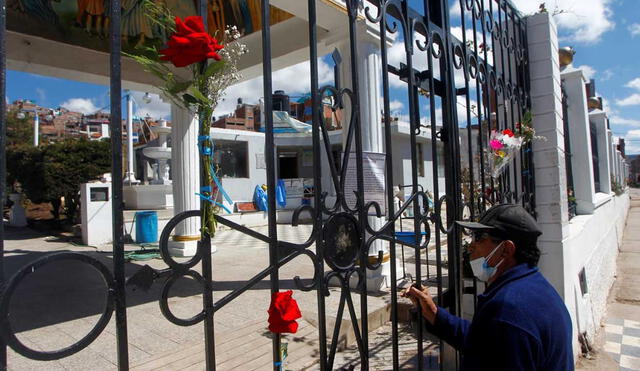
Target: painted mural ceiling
x,y
86,22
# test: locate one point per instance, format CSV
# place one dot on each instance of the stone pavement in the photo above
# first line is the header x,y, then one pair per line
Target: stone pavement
x,y
59,304
618,343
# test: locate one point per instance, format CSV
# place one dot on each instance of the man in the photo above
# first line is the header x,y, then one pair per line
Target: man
x,y
520,322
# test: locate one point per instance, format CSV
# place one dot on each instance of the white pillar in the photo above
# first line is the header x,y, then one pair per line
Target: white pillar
x,y
130,176
369,79
36,128
599,119
610,151
557,262
580,136
185,165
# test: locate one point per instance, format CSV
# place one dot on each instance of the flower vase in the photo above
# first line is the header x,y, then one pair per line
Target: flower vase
x,y
499,160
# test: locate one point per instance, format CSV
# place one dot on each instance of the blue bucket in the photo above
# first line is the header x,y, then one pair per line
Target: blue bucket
x,y
409,237
146,227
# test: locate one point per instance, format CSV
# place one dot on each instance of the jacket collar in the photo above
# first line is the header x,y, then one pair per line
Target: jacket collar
x,y
512,274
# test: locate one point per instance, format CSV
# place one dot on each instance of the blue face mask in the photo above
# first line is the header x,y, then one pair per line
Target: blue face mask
x,y
481,268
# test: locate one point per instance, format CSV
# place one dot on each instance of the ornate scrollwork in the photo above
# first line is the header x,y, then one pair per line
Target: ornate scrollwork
x,y
7,333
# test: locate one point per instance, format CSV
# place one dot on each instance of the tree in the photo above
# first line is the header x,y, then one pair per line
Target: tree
x,y
19,131
57,170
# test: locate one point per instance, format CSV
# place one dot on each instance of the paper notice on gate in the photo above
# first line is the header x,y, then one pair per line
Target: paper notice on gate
x,y
373,169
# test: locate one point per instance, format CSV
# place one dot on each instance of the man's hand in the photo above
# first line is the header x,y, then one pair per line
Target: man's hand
x,y
421,298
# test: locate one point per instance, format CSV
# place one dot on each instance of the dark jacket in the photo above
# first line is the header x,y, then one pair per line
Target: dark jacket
x,y
520,323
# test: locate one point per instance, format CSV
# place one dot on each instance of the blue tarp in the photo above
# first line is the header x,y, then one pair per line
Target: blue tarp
x,y
260,198
281,194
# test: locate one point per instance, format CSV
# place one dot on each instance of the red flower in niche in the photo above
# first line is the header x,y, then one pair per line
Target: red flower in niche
x,y
283,313
508,132
190,43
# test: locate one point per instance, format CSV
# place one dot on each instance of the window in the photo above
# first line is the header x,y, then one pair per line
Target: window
x,y
420,161
231,159
594,155
288,165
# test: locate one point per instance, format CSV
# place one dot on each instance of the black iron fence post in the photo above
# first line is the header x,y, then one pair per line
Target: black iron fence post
x,y
317,124
116,190
270,159
3,149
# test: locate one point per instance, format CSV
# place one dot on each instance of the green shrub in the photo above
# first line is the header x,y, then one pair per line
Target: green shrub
x,y
50,172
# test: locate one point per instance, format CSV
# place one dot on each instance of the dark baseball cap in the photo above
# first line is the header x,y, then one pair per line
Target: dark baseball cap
x,y
506,220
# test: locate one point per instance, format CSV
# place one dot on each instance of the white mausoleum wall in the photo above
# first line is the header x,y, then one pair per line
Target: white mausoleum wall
x,y
587,241
592,244
241,189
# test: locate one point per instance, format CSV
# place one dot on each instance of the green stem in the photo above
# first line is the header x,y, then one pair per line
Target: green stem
x,y
207,209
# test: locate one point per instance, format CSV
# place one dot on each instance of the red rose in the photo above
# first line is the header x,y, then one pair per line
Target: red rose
x,y
283,313
190,43
507,132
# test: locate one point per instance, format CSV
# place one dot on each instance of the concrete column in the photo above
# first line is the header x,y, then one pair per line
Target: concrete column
x,y
185,165
369,69
610,151
599,119
36,129
618,166
549,158
580,136
557,259
130,175
614,165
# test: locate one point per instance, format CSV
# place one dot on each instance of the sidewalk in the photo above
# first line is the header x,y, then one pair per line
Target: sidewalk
x,y
618,344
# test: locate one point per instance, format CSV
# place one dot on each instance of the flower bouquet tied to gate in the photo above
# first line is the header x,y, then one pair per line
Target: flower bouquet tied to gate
x,y
503,145
211,63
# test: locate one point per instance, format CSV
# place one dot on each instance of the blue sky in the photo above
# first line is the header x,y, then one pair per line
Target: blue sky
x,y
605,34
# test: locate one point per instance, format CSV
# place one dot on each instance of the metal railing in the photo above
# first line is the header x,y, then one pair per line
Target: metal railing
x,y
488,71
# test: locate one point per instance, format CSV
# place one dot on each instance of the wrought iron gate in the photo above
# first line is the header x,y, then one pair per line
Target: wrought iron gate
x,y
483,70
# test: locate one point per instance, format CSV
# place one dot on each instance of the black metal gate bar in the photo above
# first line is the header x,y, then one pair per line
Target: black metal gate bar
x,y
509,94
471,201
491,85
317,125
526,103
270,152
436,214
481,199
205,248
466,60
452,171
389,185
414,128
356,119
117,205
3,150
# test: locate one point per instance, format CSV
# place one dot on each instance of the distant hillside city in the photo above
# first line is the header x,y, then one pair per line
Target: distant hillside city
x,y
60,123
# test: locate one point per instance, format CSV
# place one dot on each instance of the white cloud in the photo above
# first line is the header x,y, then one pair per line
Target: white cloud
x,y
634,84
584,20
396,105
395,82
622,121
606,75
589,72
632,100
606,106
632,142
293,80
396,54
634,29
82,105
42,95
156,109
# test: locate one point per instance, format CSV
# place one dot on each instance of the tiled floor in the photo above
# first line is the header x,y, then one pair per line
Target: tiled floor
x,y
623,342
